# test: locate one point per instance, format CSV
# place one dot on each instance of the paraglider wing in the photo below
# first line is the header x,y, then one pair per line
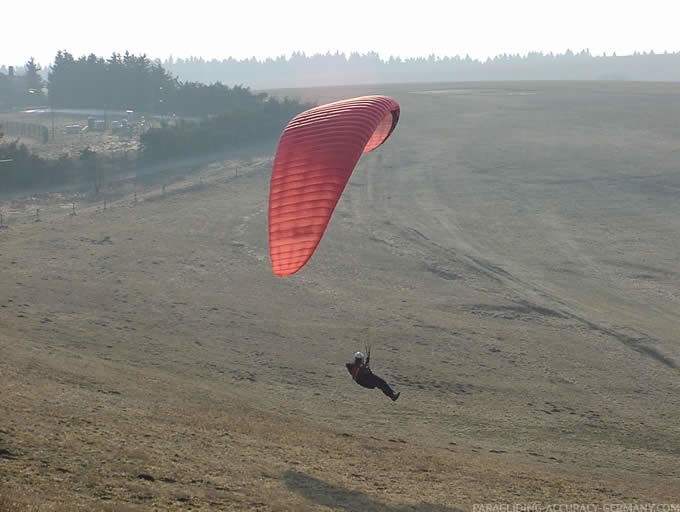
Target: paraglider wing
x,y
316,155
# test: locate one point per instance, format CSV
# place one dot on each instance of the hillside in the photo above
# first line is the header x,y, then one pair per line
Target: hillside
x,y
510,254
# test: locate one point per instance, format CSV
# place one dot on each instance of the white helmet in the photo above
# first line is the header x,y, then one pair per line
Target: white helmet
x,y
359,355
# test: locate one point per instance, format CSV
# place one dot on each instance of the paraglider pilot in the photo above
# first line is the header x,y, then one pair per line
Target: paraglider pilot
x,y
362,375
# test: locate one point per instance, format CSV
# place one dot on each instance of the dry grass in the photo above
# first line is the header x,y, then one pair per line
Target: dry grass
x,y
511,254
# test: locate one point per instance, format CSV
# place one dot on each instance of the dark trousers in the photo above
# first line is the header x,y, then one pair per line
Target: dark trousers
x,y
372,381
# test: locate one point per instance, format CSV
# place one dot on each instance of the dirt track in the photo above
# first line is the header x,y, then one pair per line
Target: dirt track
x,y
510,253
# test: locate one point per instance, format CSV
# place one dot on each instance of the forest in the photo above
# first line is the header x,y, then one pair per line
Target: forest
x,y
301,70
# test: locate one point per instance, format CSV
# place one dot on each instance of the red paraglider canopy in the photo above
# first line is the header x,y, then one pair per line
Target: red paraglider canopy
x,y
316,155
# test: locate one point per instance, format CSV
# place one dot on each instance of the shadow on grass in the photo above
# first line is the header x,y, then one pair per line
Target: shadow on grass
x,y
333,496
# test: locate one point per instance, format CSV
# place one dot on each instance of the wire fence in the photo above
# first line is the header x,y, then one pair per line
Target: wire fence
x,y
118,193
53,206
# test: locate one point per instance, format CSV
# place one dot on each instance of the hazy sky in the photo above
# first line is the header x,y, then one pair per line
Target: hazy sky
x,y
245,28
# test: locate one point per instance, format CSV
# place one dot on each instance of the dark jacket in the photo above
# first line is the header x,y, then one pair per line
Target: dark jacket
x,y
361,374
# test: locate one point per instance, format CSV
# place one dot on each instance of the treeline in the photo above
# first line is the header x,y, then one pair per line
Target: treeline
x,y
17,88
301,70
239,126
121,82
133,82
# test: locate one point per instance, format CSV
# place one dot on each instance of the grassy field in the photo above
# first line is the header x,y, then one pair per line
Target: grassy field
x,y
511,254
